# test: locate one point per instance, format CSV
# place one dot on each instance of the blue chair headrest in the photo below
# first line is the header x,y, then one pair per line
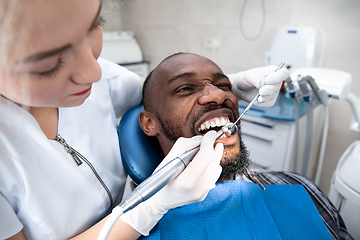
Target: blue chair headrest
x,y
140,153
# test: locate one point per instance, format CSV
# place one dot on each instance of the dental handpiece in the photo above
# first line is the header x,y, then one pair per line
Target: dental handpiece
x,y
164,175
155,182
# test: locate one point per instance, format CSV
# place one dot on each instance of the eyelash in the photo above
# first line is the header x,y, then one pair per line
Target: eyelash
x,y
224,87
99,23
184,89
52,72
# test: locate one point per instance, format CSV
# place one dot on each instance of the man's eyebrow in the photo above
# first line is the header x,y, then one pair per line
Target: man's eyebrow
x,y
46,54
219,76
182,75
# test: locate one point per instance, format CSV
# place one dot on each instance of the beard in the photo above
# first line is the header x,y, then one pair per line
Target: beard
x,y
235,160
235,157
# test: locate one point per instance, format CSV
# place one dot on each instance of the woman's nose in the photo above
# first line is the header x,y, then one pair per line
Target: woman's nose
x,y
86,68
212,94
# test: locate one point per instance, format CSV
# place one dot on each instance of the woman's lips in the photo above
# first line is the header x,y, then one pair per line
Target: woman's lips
x,y
83,92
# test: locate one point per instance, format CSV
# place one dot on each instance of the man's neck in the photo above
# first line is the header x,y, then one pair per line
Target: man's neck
x,y
221,179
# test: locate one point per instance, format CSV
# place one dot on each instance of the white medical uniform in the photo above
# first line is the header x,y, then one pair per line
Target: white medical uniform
x,y
43,191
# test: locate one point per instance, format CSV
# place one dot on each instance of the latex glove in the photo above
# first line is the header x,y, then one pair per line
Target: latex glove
x,y
263,80
192,185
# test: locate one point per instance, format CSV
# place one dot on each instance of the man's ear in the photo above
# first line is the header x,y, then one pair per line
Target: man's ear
x,y
148,122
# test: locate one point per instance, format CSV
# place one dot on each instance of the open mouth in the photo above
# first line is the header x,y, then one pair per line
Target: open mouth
x,y
215,120
215,123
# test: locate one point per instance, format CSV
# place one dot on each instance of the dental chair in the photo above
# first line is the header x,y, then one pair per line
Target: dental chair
x,y
138,163
345,188
141,154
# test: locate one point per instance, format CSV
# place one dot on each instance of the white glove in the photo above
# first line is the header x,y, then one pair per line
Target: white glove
x,y
192,185
263,80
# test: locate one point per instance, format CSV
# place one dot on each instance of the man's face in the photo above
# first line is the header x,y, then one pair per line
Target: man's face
x,y
193,96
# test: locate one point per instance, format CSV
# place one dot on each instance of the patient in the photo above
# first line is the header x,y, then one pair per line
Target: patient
x,y
187,95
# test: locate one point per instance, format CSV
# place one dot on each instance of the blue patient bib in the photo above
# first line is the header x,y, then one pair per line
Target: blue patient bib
x,y
242,210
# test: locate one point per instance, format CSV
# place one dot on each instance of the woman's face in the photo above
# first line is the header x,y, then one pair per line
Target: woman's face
x,y
54,61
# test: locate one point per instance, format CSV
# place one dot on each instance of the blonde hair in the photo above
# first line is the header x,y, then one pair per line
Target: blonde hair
x,y
12,39
10,31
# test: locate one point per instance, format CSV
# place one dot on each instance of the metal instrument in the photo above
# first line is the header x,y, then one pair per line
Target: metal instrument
x,y
251,103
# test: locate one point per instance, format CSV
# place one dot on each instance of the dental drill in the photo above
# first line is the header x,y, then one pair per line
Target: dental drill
x,y
167,173
164,175
157,181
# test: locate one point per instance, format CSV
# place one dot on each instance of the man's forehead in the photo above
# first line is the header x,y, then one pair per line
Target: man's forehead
x,y
185,64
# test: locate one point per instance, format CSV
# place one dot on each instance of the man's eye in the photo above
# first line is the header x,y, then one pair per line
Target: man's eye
x,y
224,87
184,89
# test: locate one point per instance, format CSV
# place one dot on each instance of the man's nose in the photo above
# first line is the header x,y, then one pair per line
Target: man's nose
x,y
212,95
86,68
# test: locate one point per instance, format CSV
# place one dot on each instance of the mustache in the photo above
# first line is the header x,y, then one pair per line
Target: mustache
x,y
210,108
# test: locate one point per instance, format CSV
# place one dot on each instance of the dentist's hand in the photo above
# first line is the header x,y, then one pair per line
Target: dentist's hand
x,y
263,80
192,185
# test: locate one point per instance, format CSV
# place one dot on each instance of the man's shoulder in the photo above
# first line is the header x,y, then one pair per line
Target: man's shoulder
x,y
281,178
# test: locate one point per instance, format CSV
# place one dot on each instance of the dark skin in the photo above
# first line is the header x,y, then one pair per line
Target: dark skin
x,y
186,91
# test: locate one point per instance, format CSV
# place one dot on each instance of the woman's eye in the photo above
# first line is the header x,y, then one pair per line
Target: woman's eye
x,y
52,72
99,24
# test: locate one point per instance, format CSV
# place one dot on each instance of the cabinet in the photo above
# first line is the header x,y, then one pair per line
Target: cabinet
x,y
269,142
270,138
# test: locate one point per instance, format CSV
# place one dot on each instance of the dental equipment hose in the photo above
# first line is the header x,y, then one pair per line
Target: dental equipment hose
x,y
164,175
156,181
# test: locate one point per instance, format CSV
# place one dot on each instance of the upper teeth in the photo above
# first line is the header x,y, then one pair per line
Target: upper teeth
x,y
215,122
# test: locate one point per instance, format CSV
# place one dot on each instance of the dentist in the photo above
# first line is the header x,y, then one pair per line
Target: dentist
x,y
60,167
